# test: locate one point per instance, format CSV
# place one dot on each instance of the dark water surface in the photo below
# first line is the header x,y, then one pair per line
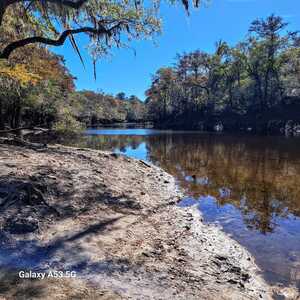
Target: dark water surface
x,y
248,185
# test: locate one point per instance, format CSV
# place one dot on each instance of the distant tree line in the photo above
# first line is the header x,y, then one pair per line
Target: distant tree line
x,y
35,86
95,109
254,85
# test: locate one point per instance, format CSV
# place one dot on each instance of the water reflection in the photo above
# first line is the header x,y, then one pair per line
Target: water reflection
x,y
262,181
249,185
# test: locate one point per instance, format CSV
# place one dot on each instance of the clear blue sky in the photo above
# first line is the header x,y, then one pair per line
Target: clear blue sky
x,y
228,20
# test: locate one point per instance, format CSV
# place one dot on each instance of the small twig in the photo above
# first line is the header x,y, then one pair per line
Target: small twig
x,y
145,163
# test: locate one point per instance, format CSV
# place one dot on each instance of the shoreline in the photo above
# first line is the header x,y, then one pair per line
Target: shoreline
x,y
118,227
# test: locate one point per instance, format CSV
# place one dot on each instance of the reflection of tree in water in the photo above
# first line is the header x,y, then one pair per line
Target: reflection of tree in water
x,y
135,142
262,176
108,142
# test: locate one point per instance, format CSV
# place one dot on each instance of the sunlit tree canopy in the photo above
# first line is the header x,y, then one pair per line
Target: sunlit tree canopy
x,y
106,23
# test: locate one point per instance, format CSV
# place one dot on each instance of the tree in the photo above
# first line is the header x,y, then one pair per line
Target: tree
x,y
121,96
106,23
265,45
31,89
239,86
136,110
14,82
160,93
27,73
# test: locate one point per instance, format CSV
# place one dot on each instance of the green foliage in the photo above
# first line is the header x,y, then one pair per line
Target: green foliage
x,y
67,124
106,23
249,79
99,108
33,87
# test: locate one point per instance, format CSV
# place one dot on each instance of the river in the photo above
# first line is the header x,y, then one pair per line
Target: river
x,y
248,185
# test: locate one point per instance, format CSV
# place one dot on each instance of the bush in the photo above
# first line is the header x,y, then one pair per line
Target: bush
x,y
67,124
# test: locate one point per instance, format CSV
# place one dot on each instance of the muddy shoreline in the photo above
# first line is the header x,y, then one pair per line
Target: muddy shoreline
x,y
115,223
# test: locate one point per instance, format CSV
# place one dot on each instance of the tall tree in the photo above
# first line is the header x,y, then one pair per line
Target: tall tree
x,y
265,46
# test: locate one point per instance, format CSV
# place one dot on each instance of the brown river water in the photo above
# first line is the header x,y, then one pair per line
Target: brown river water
x,y
248,185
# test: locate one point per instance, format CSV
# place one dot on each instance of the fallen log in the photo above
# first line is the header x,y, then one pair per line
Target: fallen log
x,y
12,130
19,129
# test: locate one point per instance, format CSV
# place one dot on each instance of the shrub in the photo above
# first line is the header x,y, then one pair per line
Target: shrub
x,y
67,124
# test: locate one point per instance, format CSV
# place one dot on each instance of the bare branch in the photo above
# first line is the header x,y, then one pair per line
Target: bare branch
x,y
60,41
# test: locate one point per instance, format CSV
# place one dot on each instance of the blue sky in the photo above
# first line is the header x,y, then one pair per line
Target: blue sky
x,y
228,20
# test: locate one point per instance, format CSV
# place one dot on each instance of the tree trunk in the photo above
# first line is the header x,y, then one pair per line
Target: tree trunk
x,y
2,124
259,94
2,11
266,88
17,122
230,96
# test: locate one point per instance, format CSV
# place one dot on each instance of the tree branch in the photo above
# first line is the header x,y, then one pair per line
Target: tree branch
x,y
60,41
4,4
69,3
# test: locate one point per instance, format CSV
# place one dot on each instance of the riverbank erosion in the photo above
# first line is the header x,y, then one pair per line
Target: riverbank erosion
x,y
115,222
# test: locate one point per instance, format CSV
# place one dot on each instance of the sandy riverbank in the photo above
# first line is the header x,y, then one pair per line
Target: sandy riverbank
x,y
115,223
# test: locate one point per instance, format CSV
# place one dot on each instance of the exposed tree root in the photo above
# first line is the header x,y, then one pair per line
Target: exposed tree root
x,y
33,196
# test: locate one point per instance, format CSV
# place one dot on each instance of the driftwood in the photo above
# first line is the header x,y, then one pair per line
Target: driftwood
x,y
145,163
17,141
35,131
30,129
